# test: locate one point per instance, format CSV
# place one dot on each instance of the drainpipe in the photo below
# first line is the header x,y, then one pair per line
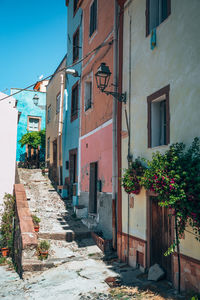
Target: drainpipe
x,y
114,130
60,124
129,156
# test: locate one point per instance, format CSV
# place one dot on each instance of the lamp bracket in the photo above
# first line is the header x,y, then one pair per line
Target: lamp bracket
x,y
118,96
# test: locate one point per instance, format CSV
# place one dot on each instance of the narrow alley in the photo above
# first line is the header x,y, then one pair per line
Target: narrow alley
x,y
75,269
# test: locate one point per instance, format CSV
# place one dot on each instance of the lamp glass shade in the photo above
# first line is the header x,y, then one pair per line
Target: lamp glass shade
x,y
35,99
102,76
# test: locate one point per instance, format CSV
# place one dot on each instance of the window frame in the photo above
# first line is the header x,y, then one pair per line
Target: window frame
x,y
147,14
163,91
34,117
86,107
58,106
48,114
94,30
77,32
74,116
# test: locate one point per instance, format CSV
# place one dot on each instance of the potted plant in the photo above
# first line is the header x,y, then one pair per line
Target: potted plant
x,y
43,248
36,222
131,180
4,249
6,227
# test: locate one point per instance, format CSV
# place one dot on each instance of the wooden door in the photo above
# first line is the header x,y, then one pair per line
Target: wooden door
x,y
54,169
93,188
72,170
160,236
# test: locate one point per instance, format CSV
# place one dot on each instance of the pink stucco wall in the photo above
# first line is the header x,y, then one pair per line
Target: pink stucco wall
x,y
97,147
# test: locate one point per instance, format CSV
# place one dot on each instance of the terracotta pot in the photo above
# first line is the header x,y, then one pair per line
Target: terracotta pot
x,y
36,228
4,252
44,254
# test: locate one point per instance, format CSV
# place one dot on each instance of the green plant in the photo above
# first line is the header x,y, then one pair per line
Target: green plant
x,y
6,228
43,245
2,260
36,220
34,139
131,180
42,249
175,177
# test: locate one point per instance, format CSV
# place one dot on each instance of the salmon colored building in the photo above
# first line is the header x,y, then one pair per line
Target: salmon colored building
x,y
95,182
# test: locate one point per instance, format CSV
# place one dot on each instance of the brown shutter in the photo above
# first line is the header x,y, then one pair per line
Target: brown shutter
x,y
147,17
168,7
149,122
167,116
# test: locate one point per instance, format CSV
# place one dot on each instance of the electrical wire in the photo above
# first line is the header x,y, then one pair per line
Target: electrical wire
x,y
67,67
197,235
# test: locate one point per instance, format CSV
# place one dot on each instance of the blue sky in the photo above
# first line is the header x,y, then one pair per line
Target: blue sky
x,y
33,40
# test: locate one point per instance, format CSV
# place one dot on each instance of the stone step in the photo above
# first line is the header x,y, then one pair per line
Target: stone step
x,y
36,265
68,235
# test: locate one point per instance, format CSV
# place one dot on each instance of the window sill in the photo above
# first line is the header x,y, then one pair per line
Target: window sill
x,y
159,147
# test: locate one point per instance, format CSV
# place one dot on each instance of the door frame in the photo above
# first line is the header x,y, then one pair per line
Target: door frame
x,y
150,194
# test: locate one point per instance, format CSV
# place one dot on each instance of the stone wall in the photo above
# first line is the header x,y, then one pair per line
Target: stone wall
x,y
190,273
25,238
136,255
103,218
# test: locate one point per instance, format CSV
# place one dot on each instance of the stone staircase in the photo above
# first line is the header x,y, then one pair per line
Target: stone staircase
x,y
67,235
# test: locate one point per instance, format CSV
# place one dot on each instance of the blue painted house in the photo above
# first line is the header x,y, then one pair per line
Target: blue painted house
x,y
31,118
71,113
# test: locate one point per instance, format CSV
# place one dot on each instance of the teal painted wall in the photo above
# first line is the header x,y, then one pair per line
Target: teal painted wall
x,y
27,108
71,129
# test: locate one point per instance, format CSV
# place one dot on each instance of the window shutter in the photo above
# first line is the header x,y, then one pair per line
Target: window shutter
x,y
95,16
147,17
91,19
149,124
168,7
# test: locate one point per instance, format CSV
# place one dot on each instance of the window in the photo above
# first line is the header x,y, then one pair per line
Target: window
x,y
76,45
158,118
156,12
58,103
49,114
75,6
33,124
48,147
88,95
93,17
74,102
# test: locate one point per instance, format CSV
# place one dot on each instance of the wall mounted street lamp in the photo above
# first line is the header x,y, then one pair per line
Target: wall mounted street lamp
x,y
72,72
102,78
35,99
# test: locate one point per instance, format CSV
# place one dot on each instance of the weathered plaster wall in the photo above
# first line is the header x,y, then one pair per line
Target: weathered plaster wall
x,y
27,108
175,61
8,136
71,129
97,147
53,89
101,110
